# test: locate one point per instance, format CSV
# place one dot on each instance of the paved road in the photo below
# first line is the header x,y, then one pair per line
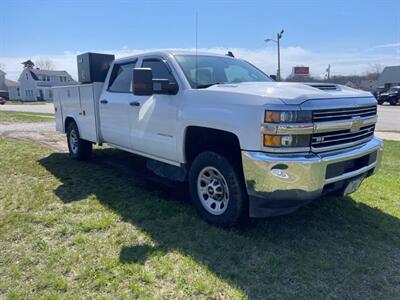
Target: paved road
x,y
388,116
45,108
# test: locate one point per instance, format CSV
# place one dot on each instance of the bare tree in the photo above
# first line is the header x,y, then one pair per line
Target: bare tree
x,y
45,64
373,71
2,66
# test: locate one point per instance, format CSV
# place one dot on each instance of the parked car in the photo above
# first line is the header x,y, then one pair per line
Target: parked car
x,y
245,145
2,101
392,96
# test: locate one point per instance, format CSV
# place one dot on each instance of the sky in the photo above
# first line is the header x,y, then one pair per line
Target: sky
x,y
349,35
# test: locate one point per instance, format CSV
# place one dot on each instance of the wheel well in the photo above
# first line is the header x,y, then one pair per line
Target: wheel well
x,y
68,121
199,139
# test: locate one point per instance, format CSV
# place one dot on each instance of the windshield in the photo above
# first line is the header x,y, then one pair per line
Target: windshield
x,y
394,89
217,69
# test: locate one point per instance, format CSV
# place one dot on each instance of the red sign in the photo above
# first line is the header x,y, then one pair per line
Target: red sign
x,y
301,71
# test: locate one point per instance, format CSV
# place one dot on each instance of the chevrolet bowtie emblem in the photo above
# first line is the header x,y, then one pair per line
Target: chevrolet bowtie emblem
x,y
356,124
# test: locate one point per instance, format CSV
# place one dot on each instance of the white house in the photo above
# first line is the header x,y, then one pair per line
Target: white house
x,y
6,85
13,90
35,84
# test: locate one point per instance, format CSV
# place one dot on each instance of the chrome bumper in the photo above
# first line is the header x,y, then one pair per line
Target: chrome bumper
x,y
280,183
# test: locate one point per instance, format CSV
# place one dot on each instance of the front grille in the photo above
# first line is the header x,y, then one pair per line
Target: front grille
x,y
332,140
343,113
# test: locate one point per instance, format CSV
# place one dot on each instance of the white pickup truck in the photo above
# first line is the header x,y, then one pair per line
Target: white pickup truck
x,y
246,145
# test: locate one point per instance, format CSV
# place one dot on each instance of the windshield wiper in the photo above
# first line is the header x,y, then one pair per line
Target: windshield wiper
x,y
203,86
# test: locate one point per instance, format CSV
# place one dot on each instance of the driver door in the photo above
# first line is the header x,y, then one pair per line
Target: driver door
x,y
154,128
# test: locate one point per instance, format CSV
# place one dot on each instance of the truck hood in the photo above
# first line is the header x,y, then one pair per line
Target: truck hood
x,y
289,92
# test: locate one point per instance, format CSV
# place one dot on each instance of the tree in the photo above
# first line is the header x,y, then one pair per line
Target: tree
x,y
2,66
28,64
373,71
45,64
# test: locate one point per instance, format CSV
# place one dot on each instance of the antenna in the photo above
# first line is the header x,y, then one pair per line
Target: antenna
x,y
196,49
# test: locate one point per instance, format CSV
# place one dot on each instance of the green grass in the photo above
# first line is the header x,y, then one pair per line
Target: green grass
x,y
98,229
19,102
18,116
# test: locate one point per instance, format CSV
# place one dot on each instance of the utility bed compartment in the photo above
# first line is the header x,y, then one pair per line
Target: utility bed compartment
x,y
79,102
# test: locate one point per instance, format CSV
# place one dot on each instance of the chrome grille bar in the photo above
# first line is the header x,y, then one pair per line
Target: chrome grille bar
x,y
334,128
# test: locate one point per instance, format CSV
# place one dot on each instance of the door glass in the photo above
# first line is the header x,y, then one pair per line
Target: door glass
x,y
121,78
159,68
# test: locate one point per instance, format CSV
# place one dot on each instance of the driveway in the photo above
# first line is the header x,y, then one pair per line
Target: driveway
x,y
388,118
45,108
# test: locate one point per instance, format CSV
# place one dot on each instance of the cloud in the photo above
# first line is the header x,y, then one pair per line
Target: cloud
x,y
393,45
344,63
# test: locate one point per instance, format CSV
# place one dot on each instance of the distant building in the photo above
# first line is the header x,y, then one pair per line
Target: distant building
x,y
13,90
389,77
36,84
5,86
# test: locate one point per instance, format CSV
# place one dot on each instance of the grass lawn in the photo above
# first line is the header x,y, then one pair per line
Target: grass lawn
x,y
19,116
19,102
96,230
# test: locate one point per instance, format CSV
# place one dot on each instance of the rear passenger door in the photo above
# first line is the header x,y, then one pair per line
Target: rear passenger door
x,y
116,112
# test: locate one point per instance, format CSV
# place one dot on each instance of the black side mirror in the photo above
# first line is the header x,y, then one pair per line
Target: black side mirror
x,y
273,77
142,83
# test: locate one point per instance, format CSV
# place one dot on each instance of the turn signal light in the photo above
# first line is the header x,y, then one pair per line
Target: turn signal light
x,y
271,140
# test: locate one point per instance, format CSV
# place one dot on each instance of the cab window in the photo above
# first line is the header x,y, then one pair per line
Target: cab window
x,y
159,68
121,78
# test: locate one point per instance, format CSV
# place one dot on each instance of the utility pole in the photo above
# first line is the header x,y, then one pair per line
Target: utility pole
x,y
328,72
277,41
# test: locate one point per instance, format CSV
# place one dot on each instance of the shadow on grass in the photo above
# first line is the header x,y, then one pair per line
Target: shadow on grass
x,y
333,247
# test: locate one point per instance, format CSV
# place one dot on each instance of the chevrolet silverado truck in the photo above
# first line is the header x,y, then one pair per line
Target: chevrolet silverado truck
x,y
247,146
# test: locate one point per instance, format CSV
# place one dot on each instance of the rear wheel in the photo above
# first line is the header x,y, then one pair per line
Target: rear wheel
x,y
216,190
78,149
393,102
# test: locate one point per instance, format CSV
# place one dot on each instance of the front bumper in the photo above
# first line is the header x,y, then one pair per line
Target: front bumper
x,y
280,183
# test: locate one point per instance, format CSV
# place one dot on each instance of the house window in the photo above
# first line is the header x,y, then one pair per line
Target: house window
x,y
27,77
18,92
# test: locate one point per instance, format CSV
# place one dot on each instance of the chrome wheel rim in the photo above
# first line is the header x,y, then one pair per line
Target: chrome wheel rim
x,y
213,191
73,141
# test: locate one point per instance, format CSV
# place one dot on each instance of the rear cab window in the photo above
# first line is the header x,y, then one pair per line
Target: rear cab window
x,y
121,77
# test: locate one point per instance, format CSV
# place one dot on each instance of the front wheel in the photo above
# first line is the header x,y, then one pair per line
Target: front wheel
x,y
78,149
217,190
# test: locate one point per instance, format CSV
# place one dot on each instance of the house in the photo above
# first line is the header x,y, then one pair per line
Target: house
x,y
389,77
13,90
36,84
3,87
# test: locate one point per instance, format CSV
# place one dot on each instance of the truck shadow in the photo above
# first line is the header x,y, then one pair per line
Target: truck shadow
x,y
322,245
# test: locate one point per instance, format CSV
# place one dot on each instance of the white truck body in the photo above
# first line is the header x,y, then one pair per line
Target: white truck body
x,y
156,126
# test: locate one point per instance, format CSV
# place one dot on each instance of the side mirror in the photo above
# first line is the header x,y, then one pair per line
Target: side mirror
x,y
142,83
273,77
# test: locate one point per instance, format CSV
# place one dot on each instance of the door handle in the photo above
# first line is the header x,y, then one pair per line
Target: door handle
x,y
134,103
103,101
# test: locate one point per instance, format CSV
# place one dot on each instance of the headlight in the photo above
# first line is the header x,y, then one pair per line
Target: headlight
x,y
271,140
295,116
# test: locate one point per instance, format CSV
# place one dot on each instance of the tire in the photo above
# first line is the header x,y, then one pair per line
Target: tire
x,y
380,102
220,198
78,149
393,102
